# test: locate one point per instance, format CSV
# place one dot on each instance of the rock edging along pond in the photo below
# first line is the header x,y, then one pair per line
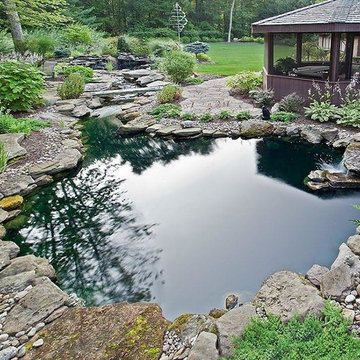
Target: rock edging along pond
x,y
39,321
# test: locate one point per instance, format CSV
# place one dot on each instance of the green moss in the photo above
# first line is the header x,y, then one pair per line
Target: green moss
x,y
153,351
180,322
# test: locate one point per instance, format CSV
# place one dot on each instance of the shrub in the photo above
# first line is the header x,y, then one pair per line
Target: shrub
x,y
72,88
110,46
8,124
245,82
243,115
185,40
178,65
262,97
225,115
6,44
203,57
284,116
122,45
139,47
206,117
3,158
169,94
76,34
188,116
166,111
39,44
160,47
323,111
21,86
86,72
197,48
285,65
193,81
62,53
311,339
291,103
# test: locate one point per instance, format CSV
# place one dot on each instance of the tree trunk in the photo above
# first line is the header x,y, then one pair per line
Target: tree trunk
x,y
14,22
231,20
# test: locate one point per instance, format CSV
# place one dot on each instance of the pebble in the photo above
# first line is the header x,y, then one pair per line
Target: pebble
x,y
20,295
23,339
20,334
31,332
39,326
38,343
358,289
349,299
21,352
3,337
8,353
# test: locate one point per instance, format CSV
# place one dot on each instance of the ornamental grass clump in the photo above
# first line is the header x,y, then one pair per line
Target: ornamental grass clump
x,y
21,86
3,158
169,93
310,339
72,88
291,103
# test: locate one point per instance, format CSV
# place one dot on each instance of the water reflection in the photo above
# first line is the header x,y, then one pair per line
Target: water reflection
x,y
184,223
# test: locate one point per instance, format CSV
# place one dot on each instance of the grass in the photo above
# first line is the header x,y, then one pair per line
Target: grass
x,y
229,59
311,339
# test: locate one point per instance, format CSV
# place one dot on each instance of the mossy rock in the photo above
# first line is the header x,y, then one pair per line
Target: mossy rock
x,y
11,202
120,331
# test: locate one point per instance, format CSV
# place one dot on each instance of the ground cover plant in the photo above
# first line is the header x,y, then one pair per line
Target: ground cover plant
x,y
311,339
166,111
9,124
283,116
245,82
243,115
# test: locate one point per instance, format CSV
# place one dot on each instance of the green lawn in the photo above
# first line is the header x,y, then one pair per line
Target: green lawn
x,y
229,59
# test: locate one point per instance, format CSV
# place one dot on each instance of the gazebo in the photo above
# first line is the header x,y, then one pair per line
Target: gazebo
x,y
321,42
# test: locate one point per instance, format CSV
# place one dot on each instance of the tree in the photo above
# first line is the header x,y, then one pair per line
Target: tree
x,y
231,20
14,23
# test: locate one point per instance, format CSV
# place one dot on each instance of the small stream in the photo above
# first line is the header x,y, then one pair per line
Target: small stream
x,y
184,223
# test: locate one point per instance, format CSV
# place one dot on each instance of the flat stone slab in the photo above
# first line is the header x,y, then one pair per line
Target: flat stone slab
x,y
108,111
65,161
41,301
256,128
119,331
187,132
343,181
135,74
144,80
233,324
100,86
16,185
8,251
167,130
12,145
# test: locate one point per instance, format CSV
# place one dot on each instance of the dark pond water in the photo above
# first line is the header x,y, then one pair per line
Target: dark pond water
x,y
184,223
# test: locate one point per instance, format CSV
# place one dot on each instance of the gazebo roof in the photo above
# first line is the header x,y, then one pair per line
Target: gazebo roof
x,y
328,16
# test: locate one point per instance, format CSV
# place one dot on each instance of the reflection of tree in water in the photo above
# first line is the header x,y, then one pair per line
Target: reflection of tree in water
x,y
140,151
87,228
291,161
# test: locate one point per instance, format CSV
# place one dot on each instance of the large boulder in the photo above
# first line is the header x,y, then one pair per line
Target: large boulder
x,y
352,157
120,331
287,294
204,347
347,257
41,301
233,324
108,111
256,128
312,135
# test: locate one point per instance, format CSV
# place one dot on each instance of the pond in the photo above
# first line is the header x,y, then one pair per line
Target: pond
x,y
184,223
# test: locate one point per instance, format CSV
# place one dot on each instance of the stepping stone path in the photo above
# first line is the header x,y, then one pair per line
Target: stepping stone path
x,y
213,96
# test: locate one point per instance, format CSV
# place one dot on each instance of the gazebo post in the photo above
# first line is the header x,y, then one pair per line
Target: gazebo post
x,y
335,57
349,54
299,41
269,52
